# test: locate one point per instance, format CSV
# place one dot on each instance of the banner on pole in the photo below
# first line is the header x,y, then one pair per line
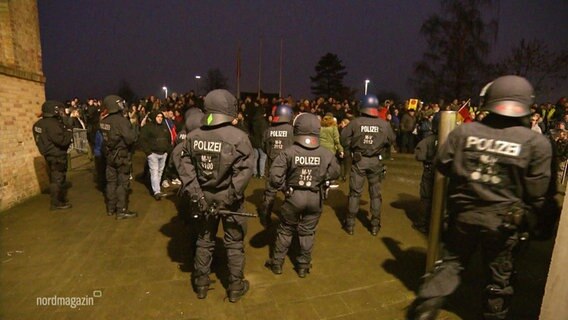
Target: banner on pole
x,y
412,104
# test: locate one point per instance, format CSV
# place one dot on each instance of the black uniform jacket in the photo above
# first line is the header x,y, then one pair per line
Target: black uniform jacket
x,y
117,132
52,137
302,168
367,135
277,138
491,169
216,162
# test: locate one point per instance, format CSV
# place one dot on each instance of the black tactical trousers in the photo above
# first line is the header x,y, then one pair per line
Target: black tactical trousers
x,y
300,213
118,180
462,240
371,168
269,192
235,228
57,169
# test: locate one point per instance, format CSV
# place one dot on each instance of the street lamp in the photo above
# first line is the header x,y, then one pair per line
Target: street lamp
x,y
366,85
165,92
197,84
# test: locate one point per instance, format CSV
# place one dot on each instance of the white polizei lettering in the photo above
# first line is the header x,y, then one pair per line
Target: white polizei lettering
x,y
370,129
211,146
279,134
494,146
105,126
307,161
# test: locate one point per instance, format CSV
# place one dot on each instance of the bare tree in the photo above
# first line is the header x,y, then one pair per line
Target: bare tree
x,y
534,61
458,42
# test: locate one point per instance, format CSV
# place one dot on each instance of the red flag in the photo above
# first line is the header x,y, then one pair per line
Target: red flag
x,y
464,112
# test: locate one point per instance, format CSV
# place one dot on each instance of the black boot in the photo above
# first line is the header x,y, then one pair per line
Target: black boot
x,y
236,294
350,229
275,267
303,271
201,291
375,230
125,214
61,206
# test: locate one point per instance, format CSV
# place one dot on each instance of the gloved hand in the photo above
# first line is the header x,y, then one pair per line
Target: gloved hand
x,y
200,204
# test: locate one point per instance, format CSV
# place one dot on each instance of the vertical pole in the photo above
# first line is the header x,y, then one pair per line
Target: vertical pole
x,y
447,124
281,52
239,72
259,67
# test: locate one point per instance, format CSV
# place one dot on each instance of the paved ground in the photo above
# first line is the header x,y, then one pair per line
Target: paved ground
x,y
140,268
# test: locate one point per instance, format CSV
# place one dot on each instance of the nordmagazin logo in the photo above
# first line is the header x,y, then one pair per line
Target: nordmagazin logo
x,y
68,301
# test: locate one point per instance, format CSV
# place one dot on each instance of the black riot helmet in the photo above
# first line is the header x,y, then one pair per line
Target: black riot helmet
x,y
220,107
509,96
51,108
113,103
370,105
307,130
282,114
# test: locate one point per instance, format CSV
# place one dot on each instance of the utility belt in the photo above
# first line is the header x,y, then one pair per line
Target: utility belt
x,y
322,190
358,156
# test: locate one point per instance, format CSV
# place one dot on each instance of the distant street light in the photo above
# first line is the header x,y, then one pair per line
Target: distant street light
x,y
366,85
197,78
165,92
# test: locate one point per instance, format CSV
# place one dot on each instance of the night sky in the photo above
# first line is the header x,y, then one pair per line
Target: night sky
x,y
89,46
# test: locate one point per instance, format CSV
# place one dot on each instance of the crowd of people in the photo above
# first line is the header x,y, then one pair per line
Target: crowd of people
x,y
409,125
200,144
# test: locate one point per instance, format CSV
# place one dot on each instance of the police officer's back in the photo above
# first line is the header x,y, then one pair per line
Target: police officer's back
x,y
215,168
499,172
278,137
118,138
53,138
302,170
366,137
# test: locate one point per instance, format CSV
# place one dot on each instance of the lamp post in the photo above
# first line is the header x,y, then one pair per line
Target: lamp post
x,y
197,78
165,92
366,85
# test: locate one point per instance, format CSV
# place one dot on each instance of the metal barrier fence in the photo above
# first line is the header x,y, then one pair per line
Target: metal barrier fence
x,y
80,142
80,145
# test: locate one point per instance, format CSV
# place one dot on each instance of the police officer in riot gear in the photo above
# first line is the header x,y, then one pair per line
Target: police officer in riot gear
x,y
278,137
302,170
366,137
118,138
215,168
425,152
499,172
53,137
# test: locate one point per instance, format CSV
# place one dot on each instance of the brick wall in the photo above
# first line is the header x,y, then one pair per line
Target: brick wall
x,y
22,91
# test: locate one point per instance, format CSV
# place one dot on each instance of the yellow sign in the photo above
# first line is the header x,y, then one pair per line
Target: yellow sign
x,y
412,104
